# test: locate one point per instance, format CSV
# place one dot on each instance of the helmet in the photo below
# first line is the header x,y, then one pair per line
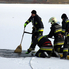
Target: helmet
x,y
64,16
53,20
33,12
58,22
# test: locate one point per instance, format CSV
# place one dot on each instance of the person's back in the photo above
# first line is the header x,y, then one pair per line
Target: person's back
x,y
56,31
58,36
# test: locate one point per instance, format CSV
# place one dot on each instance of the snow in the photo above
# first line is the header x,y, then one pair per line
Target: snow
x,y
36,63
12,19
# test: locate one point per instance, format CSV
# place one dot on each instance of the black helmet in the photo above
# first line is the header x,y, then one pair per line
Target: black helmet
x,y
64,16
33,12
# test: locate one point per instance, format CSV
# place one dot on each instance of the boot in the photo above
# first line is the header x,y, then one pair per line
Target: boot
x,y
64,55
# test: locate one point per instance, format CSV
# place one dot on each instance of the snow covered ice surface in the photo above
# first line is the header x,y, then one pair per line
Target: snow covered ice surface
x,y
12,19
36,63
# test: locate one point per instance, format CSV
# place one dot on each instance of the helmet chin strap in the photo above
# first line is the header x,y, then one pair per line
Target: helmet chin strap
x,y
52,22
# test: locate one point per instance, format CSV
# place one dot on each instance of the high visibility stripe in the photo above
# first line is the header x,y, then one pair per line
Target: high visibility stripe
x,y
39,54
67,21
58,30
27,21
58,44
39,33
40,38
67,35
31,43
48,43
46,49
40,30
65,50
63,31
30,49
36,23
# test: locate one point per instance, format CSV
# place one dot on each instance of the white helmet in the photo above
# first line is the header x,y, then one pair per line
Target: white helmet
x,y
53,20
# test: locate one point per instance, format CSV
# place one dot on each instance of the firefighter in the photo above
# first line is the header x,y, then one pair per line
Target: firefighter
x,y
45,46
56,31
37,24
65,28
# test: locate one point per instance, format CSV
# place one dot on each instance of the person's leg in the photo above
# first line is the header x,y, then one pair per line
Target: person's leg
x,y
55,51
42,54
65,49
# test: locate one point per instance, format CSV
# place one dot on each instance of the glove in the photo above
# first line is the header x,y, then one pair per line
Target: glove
x,y
25,25
28,51
46,36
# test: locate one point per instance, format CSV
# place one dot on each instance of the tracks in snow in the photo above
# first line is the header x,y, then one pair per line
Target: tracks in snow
x,y
28,61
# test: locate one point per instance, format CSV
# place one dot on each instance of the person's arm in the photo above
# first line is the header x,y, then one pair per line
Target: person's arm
x,y
27,22
51,32
39,20
67,26
63,27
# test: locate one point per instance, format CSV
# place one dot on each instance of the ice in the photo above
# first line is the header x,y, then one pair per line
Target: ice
x,y
12,19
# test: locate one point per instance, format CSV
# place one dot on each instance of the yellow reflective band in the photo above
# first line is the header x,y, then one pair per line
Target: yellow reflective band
x,y
31,43
46,49
41,30
65,50
59,44
58,49
58,30
67,35
40,38
27,21
30,49
35,23
40,34
63,31
67,21
39,54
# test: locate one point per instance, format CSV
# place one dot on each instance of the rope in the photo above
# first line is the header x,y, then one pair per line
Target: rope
x,y
30,62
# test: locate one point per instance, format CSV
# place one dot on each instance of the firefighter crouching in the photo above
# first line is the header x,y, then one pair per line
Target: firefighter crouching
x,y
45,46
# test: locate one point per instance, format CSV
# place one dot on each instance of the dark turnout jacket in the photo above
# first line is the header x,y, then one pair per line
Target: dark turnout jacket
x,y
43,42
36,21
56,30
65,26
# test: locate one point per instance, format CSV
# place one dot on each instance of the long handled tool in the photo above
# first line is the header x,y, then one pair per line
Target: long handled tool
x,y
19,48
27,32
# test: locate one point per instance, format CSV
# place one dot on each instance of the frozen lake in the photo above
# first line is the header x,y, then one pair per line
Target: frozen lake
x,y
12,19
